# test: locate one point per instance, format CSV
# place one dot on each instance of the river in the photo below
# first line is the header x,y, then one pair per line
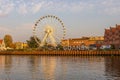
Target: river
x,y
35,67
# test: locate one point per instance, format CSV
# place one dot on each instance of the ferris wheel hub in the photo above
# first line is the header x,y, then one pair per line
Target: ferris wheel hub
x,y
49,35
48,29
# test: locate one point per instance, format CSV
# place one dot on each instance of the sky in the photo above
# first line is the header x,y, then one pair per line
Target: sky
x,y
80,17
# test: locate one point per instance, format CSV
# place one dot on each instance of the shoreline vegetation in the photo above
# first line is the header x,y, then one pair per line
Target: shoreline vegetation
x,y
63,53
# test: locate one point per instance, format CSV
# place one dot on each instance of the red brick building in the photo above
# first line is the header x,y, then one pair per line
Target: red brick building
x,y
112,36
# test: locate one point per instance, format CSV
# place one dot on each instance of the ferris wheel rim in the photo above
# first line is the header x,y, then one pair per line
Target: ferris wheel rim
x,y
48,16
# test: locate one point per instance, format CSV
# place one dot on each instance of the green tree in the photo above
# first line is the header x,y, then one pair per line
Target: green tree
x,y
59,47
32,43
8,40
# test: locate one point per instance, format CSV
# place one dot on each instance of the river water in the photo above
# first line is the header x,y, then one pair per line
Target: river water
x,y
33,67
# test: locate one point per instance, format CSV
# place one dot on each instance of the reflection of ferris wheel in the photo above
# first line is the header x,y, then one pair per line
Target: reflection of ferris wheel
x,y
50,30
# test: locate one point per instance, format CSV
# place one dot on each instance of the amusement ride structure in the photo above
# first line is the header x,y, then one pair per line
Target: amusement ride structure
x,y
50,30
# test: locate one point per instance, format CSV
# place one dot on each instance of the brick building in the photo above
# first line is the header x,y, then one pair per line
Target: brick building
x,y
75,41
84,41
112,36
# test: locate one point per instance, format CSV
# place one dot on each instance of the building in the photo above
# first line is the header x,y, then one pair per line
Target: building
x,y
20,45
112,37
84,42
2,45
97,41
75,41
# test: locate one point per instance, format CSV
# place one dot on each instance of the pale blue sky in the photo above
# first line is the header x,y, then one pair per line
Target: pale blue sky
x,y
81,17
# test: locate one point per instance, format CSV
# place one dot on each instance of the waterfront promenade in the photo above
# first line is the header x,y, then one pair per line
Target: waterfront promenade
x,y
65,53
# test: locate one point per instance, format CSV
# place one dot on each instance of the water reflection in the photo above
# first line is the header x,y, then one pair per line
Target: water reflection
x,y
59,68
48,66
112,68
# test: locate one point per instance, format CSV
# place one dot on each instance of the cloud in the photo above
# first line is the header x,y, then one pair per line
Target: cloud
x,y
111,7
80,6
25,7
22,9
5,7
28,7
63,6
112,11
36,8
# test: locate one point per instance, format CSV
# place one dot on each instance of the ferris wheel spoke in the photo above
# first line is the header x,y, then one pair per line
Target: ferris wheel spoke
x,y
57,24
50,29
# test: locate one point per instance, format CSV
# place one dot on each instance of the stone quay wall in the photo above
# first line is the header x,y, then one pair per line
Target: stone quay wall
x,y
64,53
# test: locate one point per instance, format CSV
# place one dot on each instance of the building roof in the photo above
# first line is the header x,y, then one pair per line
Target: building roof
x,y
117,26
113,29
87,38
83,38
97,38
107,30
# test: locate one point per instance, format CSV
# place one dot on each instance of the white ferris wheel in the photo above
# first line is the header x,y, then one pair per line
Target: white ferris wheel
x,y
50,30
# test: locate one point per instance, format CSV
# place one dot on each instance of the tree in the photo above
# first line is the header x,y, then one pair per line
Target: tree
x,y
32,43
8,40
59,47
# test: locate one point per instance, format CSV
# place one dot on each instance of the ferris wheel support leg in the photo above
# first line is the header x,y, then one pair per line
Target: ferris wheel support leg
x,y
52,40
44,39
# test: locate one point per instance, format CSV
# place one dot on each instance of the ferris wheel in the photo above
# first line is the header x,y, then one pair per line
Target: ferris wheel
x,y
49,30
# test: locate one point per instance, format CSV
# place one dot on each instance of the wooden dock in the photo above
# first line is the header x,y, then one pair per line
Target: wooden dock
x,y
64,53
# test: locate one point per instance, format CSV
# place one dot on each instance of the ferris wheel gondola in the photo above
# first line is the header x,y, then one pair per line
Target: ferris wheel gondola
x,y
50,30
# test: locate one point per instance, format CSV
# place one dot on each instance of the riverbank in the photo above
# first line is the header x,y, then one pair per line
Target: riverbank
x,y
65,53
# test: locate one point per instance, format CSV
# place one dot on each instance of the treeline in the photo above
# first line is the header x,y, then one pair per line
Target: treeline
x,y
32,43
8,40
